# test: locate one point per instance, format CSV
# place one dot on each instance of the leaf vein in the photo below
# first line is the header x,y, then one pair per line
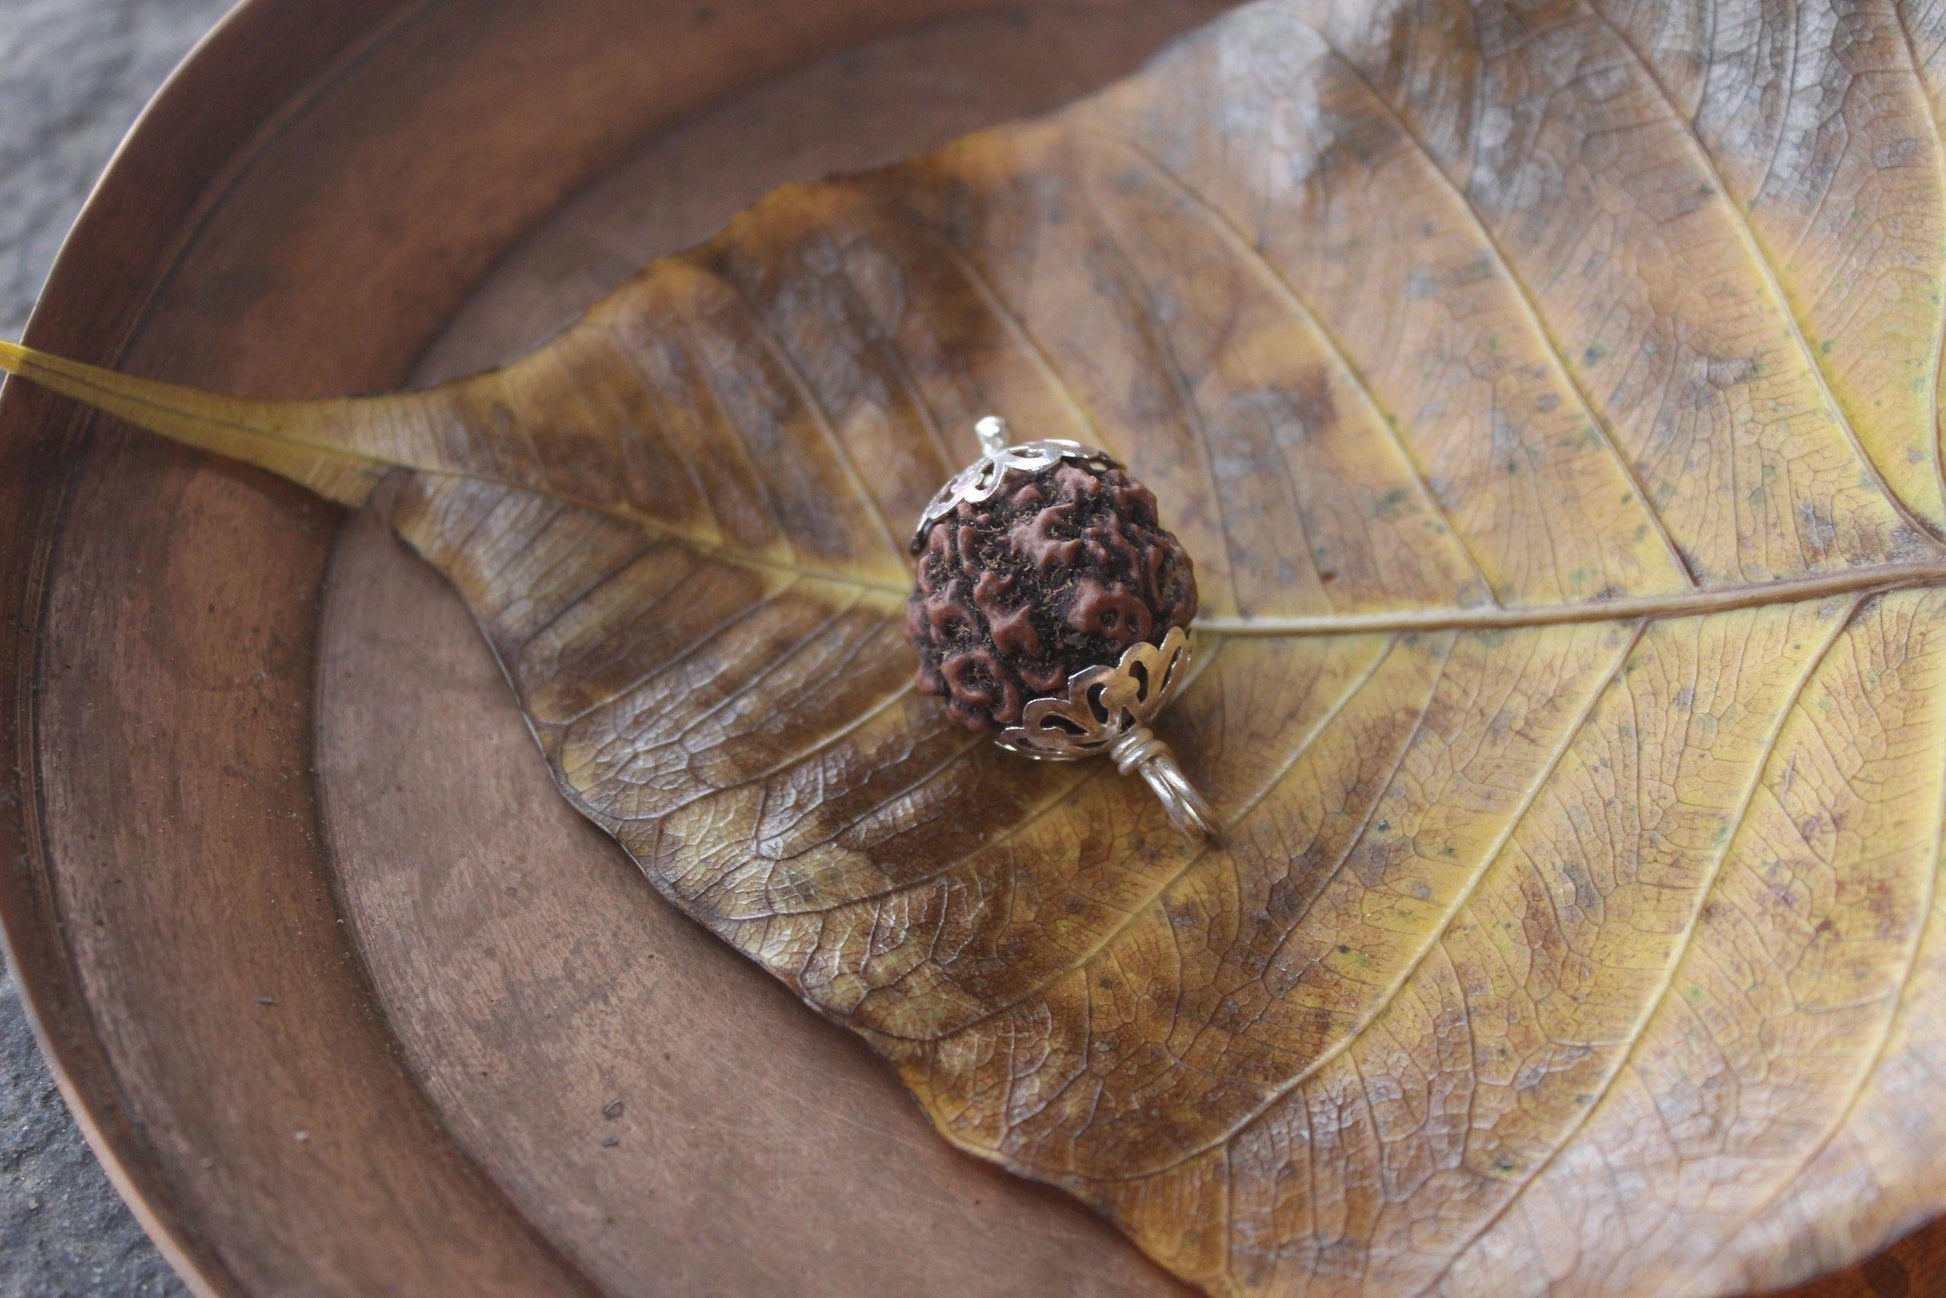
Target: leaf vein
x,y
814,406
1859,1085
1514,820
1528,307
1016,326
1939,316
1754,249
1638,1031
1189,863
1300,308
1096,772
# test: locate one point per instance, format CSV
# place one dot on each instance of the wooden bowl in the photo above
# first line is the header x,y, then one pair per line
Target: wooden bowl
x,y
346,998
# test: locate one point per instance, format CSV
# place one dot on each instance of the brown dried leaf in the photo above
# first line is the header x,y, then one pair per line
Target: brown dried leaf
x,y
1549,396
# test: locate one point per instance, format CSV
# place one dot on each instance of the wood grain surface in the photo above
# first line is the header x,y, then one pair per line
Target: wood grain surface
x,y
349,999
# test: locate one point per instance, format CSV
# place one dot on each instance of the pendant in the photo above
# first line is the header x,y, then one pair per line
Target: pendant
x,y
1051,606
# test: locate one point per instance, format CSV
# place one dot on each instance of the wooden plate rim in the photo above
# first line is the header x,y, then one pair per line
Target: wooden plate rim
x,y
218,110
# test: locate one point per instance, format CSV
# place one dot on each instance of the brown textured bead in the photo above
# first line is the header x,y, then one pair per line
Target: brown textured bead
x,y
1059,571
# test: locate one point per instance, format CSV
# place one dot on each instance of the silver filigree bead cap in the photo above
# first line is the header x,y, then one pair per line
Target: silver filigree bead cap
x,y
979,480
1106,712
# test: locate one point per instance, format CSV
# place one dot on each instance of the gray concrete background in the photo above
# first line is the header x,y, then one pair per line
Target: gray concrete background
x,y
73,76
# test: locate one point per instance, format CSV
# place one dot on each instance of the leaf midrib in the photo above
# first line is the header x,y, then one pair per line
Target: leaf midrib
x,y
1877,580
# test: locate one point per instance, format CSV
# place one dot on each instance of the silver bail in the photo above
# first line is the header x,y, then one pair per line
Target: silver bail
x,y
1139,750
993,434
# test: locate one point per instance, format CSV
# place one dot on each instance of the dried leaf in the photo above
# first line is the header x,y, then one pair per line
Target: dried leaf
x,y
1549,397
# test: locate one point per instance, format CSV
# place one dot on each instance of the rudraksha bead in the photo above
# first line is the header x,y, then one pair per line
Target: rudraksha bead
x,y
1057,571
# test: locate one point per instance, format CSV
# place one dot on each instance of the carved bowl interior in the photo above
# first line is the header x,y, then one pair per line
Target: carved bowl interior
x,y
344,994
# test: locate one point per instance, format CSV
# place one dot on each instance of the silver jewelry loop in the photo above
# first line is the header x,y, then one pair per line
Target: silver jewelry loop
x,y
992,432
1106,712
1187,810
